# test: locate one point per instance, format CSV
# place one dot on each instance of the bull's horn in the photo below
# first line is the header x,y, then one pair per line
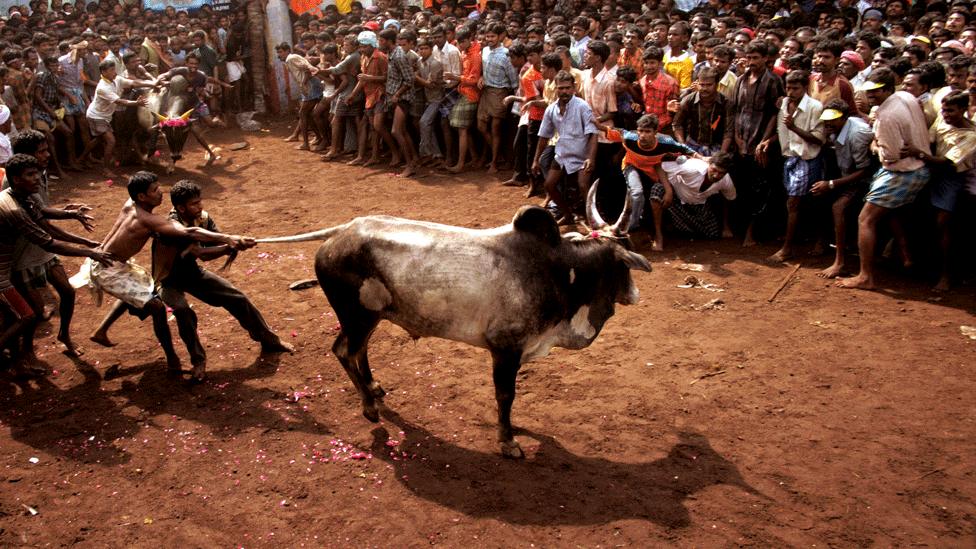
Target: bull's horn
x,y
622,225
186,115
593,218
159,116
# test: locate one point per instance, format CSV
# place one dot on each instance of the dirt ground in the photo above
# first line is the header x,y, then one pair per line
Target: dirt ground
x,y
824,418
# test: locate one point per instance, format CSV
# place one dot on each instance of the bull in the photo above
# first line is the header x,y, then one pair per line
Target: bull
x,y
167,113
516,290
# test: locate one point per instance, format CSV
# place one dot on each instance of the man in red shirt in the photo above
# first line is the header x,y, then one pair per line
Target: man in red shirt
x,y
659,88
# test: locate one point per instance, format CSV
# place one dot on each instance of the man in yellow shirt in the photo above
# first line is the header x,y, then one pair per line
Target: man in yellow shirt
x,y
679,60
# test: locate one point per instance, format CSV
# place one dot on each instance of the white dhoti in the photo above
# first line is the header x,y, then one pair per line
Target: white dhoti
x,y
126,281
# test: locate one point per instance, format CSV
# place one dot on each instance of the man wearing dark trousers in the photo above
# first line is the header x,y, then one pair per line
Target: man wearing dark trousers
x,y
177,273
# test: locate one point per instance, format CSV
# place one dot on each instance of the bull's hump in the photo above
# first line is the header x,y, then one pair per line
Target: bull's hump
x,y
381,226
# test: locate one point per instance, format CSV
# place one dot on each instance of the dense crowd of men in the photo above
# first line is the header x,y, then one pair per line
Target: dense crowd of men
x,y
713,118
815,111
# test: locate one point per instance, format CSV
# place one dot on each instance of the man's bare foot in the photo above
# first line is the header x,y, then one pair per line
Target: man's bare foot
x,y
657,246
454,169
291,138
818,249
173,366
356,161
279,347
28,367
408,171
748,243
371,162
782,255
319,147
859,282
302,147
102,339
70,348
513,183
566,221
492,168
942,285
727,233
831,272
395,162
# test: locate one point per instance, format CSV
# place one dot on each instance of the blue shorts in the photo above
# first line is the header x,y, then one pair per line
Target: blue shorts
x,y
77,108
895,189
945,190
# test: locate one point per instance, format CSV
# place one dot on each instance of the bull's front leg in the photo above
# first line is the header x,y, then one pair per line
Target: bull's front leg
x,y
505,366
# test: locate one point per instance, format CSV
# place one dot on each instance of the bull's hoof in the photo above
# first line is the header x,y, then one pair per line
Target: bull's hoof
x,y
372,414
511,450
377,390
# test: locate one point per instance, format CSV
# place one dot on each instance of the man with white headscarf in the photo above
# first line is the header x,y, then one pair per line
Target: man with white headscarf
x,y
5,124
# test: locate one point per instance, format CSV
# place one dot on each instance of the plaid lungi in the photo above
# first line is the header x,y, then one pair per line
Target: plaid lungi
x,y
463,113
799,174
894,189
694,219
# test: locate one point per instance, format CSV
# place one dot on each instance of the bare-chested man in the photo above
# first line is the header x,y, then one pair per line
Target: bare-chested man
x,y
133,285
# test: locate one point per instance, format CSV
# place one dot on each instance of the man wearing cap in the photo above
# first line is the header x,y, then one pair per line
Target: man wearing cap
x,y
871,21
850,139
899,124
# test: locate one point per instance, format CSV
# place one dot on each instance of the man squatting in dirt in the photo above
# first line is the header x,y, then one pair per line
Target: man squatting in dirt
x,y
21,216
132,285
177,273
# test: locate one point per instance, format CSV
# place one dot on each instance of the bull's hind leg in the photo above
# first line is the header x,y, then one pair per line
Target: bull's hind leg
x,y
350,349
505,366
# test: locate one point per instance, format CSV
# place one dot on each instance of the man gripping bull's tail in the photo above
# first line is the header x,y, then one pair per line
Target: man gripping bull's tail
x,y
517,290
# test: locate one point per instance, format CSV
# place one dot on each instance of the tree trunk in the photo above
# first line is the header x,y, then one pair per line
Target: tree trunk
x,y
259,56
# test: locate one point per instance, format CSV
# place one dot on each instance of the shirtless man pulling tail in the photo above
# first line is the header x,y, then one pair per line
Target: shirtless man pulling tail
x,y
133,285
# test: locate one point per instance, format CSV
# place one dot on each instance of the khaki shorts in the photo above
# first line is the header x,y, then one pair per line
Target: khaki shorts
x,y
42,126
492,104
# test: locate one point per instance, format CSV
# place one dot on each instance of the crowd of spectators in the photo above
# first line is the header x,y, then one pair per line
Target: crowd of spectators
x,y
762,119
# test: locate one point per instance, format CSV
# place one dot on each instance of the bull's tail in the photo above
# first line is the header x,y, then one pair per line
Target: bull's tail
x,y
323,234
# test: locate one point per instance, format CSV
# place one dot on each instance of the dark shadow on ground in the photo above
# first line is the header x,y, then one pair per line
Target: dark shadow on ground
x,y
225,402
553,486
83,422
79,423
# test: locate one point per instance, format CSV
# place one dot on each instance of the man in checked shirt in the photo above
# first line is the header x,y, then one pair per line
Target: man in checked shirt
x,y
498,81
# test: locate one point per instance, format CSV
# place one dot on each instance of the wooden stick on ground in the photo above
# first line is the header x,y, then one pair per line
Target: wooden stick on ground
x,y
784,283
705,376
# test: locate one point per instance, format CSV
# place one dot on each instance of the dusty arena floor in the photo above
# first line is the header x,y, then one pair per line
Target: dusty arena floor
x,y
823,418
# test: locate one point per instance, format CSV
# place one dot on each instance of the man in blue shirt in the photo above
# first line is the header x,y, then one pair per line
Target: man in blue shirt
x,y
572,119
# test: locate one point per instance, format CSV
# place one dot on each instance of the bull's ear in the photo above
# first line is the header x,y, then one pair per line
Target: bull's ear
x,y
634,261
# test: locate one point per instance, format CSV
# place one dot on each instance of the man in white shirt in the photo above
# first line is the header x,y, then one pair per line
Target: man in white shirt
x,y
108,99
694,181
800,133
